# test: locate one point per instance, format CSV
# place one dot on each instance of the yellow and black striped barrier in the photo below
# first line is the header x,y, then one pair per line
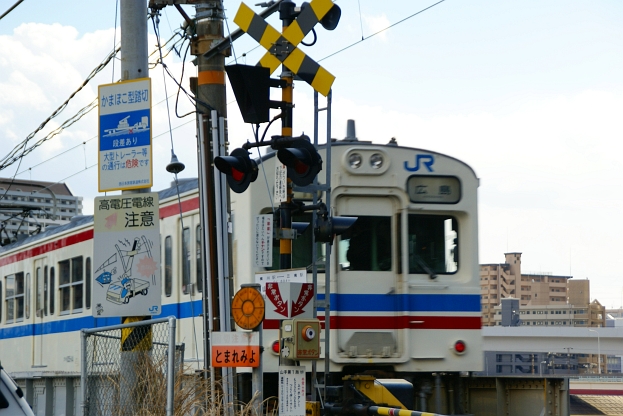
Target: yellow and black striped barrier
x,y
136,338
389,411
282,47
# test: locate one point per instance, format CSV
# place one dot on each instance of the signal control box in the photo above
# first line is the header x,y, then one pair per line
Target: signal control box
x,y
300,339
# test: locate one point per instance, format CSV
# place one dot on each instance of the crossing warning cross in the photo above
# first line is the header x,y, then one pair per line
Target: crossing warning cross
x,y
282,47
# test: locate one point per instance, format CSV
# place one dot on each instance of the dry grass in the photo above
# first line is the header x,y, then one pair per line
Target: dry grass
x,y
145,394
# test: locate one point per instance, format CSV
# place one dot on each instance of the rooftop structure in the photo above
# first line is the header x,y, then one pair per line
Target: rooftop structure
x,y
27,207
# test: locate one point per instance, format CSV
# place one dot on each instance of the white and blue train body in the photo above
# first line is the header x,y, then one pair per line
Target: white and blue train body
x,y
404,280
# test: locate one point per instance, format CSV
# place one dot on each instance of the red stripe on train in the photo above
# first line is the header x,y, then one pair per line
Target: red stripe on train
x,y
174,209
395,322
168,211
46,248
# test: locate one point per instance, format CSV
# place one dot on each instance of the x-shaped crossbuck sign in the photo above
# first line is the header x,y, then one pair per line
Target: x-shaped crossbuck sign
x,y
282,47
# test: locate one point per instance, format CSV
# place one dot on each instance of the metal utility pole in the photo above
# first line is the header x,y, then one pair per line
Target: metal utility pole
x,y
286,14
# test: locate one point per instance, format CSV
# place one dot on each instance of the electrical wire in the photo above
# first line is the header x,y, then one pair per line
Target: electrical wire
x,y
382,30
14,155
156,23
11,8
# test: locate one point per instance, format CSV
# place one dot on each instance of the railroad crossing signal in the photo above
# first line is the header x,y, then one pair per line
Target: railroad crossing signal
x,y
239,168
282,47
302,160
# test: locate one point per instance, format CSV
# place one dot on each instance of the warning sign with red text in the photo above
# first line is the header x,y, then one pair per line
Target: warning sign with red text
x,y
286,300
235,349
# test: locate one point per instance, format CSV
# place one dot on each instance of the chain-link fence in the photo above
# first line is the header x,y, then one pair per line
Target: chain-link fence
x,y
130,369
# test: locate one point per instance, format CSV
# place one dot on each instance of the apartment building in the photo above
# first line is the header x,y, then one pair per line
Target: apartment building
x,y
29,206
505,280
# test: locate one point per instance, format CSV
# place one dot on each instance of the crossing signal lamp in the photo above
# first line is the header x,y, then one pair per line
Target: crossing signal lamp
x,y
239,168
302,160
328,227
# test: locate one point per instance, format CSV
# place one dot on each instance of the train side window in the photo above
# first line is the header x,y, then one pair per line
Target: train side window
x,y
71,285
77,278
367,245
14,297
46,285
168,265
433,244
199,262
64,285
39,287
51,290
87,281
186,260
27,296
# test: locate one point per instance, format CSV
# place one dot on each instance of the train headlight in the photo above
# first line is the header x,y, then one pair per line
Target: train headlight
x,y
459,347
354,160
376,160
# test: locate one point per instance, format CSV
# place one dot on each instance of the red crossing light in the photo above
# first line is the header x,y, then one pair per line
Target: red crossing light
x,y
302,160
239,168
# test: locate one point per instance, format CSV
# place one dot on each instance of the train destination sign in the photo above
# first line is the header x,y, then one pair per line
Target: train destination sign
x,y
126,256
125,160
434,189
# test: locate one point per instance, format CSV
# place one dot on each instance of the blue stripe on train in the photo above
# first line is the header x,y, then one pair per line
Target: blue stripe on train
x,y
179,310
339,302
410,303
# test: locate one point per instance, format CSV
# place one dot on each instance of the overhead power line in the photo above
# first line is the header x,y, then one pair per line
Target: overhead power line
x,y
21,149
382,30
11,8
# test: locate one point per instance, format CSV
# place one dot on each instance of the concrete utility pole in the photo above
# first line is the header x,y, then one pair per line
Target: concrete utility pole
x,y
211,125
134,65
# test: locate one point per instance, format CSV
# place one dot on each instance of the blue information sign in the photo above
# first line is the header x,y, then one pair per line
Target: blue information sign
x,y
125,155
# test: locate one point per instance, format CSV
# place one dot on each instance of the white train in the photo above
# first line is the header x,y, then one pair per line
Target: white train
x,y
404,281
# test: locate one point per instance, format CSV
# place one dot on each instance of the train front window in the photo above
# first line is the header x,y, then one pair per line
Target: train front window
x,y
367,245
433,244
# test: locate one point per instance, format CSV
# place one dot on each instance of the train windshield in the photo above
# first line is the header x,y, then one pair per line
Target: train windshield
x,y
433,244
367,244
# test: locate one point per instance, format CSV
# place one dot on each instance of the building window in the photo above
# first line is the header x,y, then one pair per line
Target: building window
x,y
71,278
168,265
14,297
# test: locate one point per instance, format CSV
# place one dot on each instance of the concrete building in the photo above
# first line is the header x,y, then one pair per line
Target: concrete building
x,y
29,206
544,299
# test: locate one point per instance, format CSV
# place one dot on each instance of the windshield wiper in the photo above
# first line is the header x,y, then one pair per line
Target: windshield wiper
x,y
425,266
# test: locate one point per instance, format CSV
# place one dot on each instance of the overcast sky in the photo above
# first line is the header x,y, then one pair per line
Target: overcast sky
x,y
528,93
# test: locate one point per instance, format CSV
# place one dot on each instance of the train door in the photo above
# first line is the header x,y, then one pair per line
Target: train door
x,y
367,306
40,289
